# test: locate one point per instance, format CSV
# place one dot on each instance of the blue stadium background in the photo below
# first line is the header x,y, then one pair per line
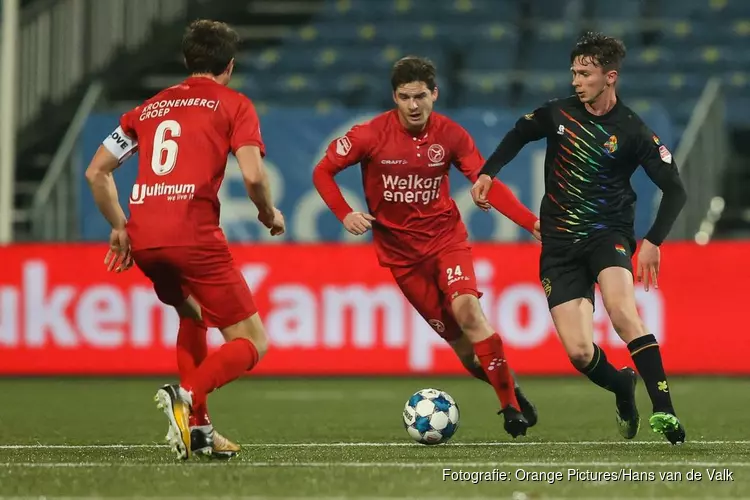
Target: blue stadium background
x,y
315,67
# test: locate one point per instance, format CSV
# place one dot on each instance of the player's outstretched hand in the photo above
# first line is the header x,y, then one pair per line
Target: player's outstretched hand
x,y
278,226
358,223
649,257
480,190
119,257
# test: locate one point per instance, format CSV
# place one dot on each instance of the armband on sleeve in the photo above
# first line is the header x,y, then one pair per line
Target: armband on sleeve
x,y
120,145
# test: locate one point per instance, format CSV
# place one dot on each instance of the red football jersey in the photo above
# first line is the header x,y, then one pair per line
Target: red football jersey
x,y
406,186
183,135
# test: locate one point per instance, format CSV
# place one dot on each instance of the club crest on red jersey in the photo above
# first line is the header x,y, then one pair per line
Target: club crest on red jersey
x,y
436,155
438,325
343,146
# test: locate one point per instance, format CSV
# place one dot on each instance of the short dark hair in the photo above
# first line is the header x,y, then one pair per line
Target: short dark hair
x,y
209,46
413,69
603,51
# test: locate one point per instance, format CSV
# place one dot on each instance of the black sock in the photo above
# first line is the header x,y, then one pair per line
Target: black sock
x,y
602,373
647,358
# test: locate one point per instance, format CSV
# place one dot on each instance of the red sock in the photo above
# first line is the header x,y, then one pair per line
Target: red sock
x,y
192,349
491,356
228,363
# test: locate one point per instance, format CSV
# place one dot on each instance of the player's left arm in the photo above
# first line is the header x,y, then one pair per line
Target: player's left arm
x,y
469,161
660,166
115,149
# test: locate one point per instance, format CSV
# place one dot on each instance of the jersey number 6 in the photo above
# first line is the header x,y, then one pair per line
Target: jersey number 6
x,y
162,164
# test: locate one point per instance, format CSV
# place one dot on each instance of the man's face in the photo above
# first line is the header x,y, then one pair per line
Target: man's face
x,y
415,102
590,80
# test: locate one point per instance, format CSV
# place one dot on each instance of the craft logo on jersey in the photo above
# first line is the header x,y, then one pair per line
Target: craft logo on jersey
x,y
621,249
657,141
436,155
343,146
173,192
611,144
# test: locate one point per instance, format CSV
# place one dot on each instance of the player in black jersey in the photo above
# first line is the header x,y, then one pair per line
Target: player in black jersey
x,y
594,144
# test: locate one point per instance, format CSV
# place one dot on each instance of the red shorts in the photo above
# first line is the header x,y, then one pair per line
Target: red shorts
x,y
207,274
432,285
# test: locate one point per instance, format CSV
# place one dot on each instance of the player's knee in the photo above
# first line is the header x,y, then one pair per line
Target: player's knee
x,y
469,315
261,345
580,354
251,329
625,320
189,309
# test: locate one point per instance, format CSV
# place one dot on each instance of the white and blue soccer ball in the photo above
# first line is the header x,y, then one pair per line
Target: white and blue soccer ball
x,y
431,416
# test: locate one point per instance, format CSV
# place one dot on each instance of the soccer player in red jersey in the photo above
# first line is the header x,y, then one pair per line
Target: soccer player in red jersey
x,y
184,135
405,156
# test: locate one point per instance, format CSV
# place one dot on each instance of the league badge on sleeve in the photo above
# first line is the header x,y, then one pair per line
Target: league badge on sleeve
x,y
343,146
666,156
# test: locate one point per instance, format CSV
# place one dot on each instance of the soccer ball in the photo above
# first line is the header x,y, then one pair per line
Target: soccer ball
x,y
431,416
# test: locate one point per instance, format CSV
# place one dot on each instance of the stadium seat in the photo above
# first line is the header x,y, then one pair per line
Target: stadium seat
x,y
548,55
627,31
704,9
713,58
627,12
474,10
408,10
484,89
540,87
491,57
662,85
343,58
643,58
548,10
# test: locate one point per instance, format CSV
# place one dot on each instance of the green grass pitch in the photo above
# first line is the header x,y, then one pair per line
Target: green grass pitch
x,y
343,438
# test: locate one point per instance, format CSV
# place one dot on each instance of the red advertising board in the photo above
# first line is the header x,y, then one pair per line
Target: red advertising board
x,y
330,310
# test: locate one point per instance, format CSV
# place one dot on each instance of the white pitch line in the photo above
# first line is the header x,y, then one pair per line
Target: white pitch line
x,y
409,465
40,446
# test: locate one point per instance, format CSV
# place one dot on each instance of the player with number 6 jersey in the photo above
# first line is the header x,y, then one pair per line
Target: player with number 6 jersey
x,y
183,136
405,156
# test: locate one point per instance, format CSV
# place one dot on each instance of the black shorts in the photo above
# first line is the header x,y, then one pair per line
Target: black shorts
x,y
570,272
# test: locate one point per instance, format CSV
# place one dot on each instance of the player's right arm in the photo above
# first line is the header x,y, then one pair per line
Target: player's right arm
x,y
247,145
256,182
342,153
531,127
528,128
120,145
